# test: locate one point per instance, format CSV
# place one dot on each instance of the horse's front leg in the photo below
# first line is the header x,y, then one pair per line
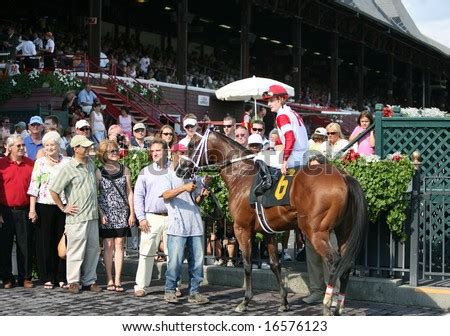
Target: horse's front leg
x,y
245,245
275,266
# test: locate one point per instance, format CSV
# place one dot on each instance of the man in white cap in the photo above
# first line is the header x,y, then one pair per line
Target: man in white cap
x,y
77,180
82,127
138,140
33,142
190,126
255,143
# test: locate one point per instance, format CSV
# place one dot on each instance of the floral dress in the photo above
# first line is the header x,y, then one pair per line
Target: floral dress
x,y
113,205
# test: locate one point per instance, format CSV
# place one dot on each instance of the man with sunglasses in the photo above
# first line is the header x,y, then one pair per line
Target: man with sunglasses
x,y
83,128
258,127
229,124
33,142
190,126
15,176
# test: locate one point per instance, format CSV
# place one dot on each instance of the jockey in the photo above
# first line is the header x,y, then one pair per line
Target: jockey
x,y
291,130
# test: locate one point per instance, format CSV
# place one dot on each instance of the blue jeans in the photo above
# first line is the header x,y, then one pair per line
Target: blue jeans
x,y
175,247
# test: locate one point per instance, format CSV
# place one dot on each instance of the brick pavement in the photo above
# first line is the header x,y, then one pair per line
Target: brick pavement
x,y
38,301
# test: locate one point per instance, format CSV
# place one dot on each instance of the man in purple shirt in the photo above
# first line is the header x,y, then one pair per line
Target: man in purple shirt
x,y
151,213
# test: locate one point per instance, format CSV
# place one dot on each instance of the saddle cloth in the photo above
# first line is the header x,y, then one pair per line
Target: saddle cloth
x,y
278,194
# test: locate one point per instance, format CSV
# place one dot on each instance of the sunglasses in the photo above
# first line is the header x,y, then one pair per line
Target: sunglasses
x,y
35,125
113,151
227,126
140,130
257,129
189,126
20,146
331,133
167,133
85,129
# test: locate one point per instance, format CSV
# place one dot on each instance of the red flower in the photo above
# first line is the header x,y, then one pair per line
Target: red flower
x,y
350,156
387,112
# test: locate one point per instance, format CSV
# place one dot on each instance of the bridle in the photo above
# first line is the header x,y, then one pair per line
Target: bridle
x,y
202,150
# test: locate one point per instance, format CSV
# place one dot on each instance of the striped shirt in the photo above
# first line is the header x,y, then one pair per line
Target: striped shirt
x,y
148,191
77,180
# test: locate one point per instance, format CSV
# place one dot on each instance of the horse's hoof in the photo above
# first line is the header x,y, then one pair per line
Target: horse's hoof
x,y
338,311
283,309
327,311
241,308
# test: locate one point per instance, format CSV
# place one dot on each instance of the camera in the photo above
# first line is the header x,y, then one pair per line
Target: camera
x,y
121,141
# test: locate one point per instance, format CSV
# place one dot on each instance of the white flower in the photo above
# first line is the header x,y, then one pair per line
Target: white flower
x,y
371,158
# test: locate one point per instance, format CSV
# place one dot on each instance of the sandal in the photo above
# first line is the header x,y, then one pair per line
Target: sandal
x,y
49,285
111,288
119,288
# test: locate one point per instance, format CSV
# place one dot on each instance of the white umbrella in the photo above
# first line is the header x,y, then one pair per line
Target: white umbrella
x,y
250,88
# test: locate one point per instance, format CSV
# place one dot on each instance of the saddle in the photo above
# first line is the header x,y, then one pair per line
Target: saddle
x,y
278,193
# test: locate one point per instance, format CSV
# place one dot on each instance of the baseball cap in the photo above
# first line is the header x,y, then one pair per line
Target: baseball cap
x,y
138,126
36,120
321,131
80,140
255,139
178,147
82,123
275,91
189,121
21,124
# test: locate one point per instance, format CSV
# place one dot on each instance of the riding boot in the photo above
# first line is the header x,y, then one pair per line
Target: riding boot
x,y
266,178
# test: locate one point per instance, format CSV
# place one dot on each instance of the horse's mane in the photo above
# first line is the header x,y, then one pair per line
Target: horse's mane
x,y
231,142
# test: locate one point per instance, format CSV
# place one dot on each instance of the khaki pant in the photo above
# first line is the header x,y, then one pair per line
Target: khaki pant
x,y
82,252
148,248
317,270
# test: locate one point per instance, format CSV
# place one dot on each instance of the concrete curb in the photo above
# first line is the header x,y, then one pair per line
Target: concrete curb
x,y
360,288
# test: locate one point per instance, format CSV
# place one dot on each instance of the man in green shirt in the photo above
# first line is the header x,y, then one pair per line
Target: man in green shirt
x,y
77,180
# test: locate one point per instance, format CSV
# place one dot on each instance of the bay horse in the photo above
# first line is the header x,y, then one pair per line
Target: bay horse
x,y
322,199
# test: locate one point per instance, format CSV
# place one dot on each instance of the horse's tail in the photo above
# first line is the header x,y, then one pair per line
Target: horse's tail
x,y
355,221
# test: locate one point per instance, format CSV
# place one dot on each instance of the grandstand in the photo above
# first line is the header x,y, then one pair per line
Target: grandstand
x,y
343,53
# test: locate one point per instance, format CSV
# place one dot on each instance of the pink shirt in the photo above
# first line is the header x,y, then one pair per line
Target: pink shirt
x,y
364,146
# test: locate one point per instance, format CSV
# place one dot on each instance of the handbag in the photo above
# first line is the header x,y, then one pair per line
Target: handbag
x,y
62,247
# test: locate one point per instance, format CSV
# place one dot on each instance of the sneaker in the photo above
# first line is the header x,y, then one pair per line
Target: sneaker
x,y
219,262
198,299
265,265
74,288
139,293
230,263
287,256
171,297
313,298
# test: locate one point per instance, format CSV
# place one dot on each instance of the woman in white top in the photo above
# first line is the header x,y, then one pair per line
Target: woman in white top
x,y
97,123
47,218
335,141
125,122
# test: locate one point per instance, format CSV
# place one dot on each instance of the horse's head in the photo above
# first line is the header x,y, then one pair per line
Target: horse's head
x,y
203,152
187,167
